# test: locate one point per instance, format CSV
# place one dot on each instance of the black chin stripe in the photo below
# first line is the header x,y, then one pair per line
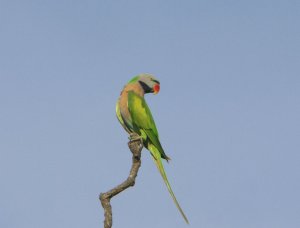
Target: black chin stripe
x,y
145,87
155,81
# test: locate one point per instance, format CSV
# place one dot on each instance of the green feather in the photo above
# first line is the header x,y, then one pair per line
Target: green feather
x,y
157,159
134,79
119,115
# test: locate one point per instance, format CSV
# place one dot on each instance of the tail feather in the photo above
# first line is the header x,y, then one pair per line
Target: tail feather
x,y
158,161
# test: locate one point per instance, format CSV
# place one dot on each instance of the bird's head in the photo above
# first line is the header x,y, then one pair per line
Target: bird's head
x,y
148,82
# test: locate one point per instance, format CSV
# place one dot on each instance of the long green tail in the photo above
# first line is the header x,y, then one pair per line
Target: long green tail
x,y
158,161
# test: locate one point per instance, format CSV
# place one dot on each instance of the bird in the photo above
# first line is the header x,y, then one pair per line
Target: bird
x,y
135,116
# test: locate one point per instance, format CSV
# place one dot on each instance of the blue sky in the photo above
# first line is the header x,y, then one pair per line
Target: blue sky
x,y
228,112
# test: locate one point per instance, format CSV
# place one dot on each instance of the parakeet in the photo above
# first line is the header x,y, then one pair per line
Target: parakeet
x,y
135,116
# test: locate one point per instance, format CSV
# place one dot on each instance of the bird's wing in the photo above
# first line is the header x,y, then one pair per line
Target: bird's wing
x,y
143,121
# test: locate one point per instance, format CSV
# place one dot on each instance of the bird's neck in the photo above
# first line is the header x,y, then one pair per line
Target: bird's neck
x,y
135,87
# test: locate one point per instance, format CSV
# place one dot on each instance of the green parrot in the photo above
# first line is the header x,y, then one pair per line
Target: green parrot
x,y
135,116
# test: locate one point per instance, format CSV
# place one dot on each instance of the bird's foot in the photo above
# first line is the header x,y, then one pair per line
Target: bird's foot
x,y
135,145
135,137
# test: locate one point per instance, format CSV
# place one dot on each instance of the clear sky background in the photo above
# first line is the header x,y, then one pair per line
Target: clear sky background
x,y
228,112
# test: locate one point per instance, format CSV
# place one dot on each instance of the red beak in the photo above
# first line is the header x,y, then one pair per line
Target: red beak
x,y
156,88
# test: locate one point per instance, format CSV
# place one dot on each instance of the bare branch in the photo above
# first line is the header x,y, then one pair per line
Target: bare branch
x,y
135,147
